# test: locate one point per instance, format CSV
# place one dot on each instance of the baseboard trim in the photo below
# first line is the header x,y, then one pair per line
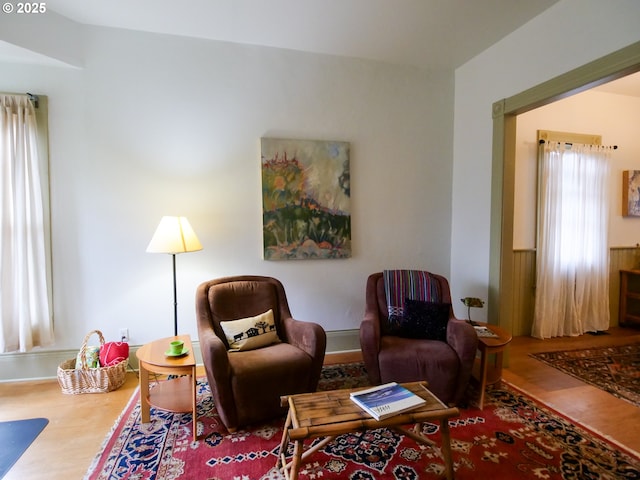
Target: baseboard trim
x,y
343,341
43,365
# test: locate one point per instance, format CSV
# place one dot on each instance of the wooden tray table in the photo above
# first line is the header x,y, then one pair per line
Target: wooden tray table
x,y
332,413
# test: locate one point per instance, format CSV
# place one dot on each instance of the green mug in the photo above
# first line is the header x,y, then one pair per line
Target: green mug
x,y
176,347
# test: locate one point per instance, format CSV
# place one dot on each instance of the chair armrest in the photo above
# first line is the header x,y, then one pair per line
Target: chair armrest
x,y
307,336
310,338
462,337
215,356
218,370
370,345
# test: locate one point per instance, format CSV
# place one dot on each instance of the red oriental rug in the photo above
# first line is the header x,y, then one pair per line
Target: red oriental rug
x,y
513,437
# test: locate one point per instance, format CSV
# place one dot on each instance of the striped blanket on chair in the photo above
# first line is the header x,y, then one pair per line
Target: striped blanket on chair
x,y
412,284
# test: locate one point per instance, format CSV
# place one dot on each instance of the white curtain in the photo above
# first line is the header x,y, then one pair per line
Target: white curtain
x,y
572,259
25,314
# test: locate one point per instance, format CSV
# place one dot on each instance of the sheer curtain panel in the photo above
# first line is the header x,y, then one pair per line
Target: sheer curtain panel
x,y
26,319
572,286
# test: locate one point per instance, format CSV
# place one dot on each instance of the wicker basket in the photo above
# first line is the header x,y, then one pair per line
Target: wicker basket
x,y
74,380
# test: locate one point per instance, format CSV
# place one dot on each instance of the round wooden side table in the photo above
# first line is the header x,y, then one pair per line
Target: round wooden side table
x,y
177,395
485,373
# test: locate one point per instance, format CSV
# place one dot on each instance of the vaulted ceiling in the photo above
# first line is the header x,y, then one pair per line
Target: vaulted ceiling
x,y
432,34
423,33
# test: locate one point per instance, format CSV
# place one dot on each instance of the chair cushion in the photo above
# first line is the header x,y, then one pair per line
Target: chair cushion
x,y
251,332
409,360
424,320
261,376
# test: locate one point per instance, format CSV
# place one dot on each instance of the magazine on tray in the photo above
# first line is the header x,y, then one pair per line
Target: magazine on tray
x,y
386,400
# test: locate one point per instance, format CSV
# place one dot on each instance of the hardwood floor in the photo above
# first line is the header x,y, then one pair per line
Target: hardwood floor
x,y
78,424
615,418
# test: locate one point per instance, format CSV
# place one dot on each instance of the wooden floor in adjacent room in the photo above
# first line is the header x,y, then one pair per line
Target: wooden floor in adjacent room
x,y
78,424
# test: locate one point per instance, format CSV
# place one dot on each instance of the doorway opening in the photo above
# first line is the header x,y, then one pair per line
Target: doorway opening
x,y
611,67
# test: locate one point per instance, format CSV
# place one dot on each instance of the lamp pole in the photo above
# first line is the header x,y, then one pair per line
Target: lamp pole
x,y
174,235
175,298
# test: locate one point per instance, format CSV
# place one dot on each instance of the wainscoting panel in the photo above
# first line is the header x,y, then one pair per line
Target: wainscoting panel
x,y
621,258
524,280
524,288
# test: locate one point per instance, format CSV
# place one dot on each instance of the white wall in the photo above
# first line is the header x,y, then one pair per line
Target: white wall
x,y
564,37
616,118
156,125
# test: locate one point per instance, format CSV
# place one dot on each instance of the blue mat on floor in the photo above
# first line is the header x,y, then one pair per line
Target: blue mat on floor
x,y
15,438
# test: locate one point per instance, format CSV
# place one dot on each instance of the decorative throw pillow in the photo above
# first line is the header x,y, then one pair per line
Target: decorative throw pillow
x,y
91,353
112,353
250,333
426,320
392,325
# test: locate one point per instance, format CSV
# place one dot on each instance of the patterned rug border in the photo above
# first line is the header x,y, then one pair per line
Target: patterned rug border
x,y
126,411
540,357
579,424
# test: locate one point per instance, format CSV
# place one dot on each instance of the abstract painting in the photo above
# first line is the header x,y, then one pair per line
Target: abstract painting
x,y
631,193
305,199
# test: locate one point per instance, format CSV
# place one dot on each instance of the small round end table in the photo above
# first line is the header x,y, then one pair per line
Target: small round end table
x,y
177,395
485,373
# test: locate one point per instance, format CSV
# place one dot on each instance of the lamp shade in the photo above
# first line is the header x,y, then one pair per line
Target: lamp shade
x,y
174,235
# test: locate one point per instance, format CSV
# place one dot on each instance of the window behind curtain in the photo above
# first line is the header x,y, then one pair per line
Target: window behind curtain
x,y
572,259
26,319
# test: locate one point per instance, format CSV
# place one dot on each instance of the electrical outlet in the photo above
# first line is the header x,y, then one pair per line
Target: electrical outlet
x,y
124,334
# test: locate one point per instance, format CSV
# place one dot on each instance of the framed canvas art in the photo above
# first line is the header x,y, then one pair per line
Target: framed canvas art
x,y
305,199
631,193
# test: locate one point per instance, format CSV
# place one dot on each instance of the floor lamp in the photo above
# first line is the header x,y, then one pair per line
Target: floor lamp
x,y
174,235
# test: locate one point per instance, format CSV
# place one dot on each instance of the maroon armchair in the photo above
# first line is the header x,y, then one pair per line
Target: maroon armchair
x,y
445,365
247,384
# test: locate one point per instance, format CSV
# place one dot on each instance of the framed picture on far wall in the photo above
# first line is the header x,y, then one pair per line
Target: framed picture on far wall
x,y
631,193
305,199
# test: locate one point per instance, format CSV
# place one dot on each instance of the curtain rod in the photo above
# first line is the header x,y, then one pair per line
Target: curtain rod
x,y
542,141
33,98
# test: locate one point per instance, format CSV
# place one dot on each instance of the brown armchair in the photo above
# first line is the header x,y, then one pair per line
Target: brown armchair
x,y
247,385
445,365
